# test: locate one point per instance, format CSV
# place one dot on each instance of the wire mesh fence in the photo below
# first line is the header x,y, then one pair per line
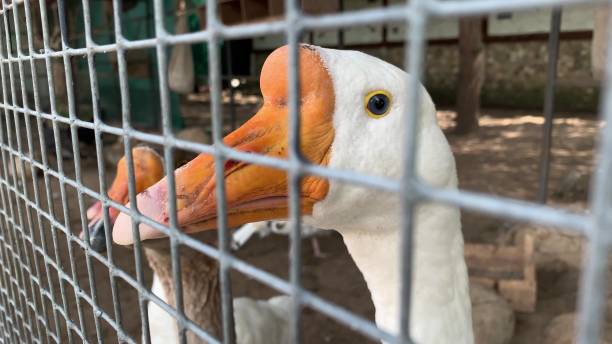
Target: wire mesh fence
x,y
39,287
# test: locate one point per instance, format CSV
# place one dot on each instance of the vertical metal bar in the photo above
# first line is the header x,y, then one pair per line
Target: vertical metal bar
x,y
19,280
19,328
549,103
127,127
93,82
230,76
415,31
15,182
23,181
4,321
293,32
9,269
13,335
61,9
46,167
13,163
10,261
341,30
6,318
594,279
3,300
161,47
50,80
214,68
103,190
31,150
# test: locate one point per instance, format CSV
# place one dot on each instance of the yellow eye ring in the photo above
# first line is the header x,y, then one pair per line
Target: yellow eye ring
x,y
377,103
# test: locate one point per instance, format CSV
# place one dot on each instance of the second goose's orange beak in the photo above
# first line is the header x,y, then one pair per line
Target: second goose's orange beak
x,y
254,193
148,170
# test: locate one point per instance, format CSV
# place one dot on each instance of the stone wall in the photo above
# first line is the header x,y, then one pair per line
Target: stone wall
x,y
515,74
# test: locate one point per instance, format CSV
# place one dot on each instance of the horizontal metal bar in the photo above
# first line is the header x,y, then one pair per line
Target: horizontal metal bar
x,y
344,19
507,208
396,13
316,170
494,205
228,152
369,16
390,14
458,8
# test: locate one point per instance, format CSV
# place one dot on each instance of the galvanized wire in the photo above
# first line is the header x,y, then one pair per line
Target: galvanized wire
x,y
594,278
27,291
214,61
549,106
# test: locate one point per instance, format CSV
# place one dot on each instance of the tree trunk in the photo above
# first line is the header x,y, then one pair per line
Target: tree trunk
x,y
471,74
600,41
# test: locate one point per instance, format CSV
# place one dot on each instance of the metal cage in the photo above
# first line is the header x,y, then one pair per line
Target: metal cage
x,y
23,216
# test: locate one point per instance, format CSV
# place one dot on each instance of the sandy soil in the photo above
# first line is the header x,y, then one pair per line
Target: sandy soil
x,y
500,159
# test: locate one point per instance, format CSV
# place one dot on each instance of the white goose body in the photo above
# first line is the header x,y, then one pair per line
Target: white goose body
x,y
256,321
162,326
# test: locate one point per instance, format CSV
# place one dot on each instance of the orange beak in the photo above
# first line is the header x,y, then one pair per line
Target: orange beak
x,y
253,192
148,170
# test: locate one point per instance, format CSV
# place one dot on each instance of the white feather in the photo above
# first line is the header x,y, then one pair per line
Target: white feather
x,y
369,220
162,326
262,321
264,228
256,321
245,232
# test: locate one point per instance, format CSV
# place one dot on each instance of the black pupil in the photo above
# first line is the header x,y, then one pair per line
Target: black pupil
x,y
378,104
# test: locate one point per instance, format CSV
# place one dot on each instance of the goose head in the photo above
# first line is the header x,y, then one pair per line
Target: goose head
x,y
148,169
351,108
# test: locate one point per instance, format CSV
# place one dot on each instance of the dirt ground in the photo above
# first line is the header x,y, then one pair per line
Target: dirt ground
x,y
500,159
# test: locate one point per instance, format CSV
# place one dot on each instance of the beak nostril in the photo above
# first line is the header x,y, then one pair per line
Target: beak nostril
x,y
97,236
229,164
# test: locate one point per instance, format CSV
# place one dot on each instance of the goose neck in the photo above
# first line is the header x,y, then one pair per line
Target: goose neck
x,y
439,288
200,284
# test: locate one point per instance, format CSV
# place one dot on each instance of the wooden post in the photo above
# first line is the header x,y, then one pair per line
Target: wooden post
x,y
508,269
471,74
600,41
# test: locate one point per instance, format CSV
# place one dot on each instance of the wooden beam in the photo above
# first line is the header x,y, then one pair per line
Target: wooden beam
x,y
508,269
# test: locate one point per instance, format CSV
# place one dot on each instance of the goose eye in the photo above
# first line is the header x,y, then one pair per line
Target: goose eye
x,y
378,103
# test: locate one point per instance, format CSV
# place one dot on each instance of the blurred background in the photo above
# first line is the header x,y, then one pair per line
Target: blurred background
x,y
487,76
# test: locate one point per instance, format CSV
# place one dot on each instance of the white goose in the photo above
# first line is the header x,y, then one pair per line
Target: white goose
x,y
257,321
264,228
351,106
